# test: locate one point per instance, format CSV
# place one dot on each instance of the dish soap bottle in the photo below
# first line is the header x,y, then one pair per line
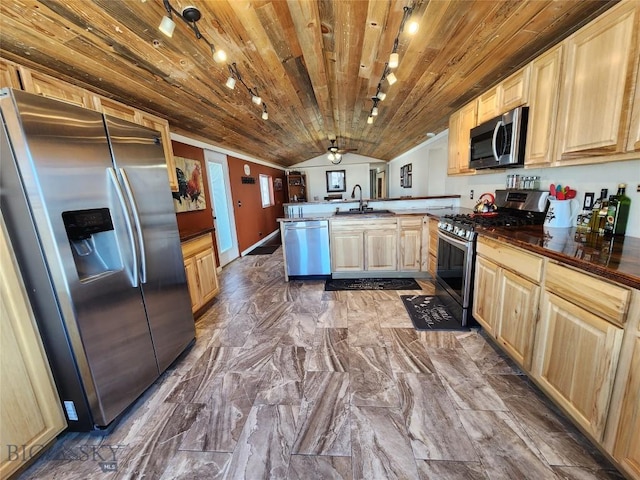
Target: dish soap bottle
x,y
618,212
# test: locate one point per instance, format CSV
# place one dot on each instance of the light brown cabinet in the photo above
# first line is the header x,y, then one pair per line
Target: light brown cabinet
x,y
380,247
484,301
46,86
597,91
507,290
633,144
9,75
544,95
364,245
162,126
577,344
460,125
575,360
433,247
518,314
116,109
30,411
17,76
200,268
487,105
627,446
622,436
507,95
410,244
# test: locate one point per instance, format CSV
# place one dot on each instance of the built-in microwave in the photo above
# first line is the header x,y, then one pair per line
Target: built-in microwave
x,y
500,142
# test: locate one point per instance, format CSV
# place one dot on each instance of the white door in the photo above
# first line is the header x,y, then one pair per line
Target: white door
x,y
223,219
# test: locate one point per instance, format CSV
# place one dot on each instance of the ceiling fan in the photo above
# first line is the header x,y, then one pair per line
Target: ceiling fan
x,y
335,153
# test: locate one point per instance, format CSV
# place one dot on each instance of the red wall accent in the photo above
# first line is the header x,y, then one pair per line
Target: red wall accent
x,y
253,222
190,223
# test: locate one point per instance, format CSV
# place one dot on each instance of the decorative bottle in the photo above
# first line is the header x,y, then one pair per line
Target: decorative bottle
x,y
594,222
618,212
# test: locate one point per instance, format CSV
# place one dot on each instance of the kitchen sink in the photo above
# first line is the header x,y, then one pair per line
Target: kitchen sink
x,y
366,211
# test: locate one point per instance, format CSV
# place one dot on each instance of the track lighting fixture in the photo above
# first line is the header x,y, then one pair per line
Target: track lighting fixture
x,y
394,61
234,75
394,58
190,15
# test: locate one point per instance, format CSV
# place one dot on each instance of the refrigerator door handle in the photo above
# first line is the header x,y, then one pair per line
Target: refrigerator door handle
x,y
127,220
136,219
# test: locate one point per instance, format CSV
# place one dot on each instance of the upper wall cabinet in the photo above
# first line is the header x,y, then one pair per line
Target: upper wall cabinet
x,y
162,126
543,107
17,76
633,144
116,109
507,95
47,86
597,93
460,125
9,75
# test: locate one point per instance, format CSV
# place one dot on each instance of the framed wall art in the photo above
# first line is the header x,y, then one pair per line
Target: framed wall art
x,y
190,195
336,181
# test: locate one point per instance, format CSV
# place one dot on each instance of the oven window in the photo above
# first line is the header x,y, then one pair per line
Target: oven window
x,y
451,267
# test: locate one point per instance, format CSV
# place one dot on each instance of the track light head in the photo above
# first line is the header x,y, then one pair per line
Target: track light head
x,y
191,14
219,56
394,60
231,83
167,26
391,78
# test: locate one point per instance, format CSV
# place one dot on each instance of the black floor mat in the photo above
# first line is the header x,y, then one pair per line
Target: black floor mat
x,y
428,313
333,284
264,250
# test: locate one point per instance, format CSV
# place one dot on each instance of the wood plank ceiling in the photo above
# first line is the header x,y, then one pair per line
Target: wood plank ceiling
x,y
316,64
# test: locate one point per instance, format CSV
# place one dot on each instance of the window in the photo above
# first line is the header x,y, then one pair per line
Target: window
x,y
266,190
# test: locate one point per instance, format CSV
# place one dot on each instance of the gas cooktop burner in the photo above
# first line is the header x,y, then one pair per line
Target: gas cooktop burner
x,y
515,209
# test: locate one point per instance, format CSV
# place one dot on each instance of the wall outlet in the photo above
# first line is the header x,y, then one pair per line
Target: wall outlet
x,y
471,194
638,188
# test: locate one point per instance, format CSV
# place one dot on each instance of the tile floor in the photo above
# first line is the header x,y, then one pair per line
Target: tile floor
x,y
287,381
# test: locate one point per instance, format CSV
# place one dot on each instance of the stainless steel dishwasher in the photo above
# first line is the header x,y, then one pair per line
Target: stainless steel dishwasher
x,y
306,245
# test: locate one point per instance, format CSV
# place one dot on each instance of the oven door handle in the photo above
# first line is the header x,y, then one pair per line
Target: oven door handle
x,y
455,241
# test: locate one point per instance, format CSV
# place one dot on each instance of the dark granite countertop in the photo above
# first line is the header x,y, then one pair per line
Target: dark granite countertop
x,y
349,200
435,212
191,235
615,258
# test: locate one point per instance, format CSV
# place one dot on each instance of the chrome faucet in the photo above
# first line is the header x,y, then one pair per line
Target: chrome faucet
x,y
353,195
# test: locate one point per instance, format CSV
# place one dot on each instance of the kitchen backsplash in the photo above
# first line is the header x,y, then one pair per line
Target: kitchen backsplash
x,y
584,178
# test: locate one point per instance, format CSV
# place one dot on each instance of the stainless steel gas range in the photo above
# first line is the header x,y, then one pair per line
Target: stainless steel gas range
x,y
457,244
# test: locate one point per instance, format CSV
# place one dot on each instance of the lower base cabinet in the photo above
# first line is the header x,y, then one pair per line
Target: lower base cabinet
x,y
30,412
576,360
627,446
432,261
200,268
506,303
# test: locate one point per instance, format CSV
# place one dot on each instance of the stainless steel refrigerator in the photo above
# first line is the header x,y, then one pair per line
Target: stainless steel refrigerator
x,y
87,203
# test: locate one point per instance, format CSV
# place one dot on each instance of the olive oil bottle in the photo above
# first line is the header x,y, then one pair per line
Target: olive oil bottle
x,y
594,223
618,212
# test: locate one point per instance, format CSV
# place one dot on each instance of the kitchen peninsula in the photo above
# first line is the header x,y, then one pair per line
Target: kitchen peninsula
x,y
375,238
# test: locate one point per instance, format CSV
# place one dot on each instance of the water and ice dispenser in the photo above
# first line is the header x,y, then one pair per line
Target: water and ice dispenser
x,y
93,242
